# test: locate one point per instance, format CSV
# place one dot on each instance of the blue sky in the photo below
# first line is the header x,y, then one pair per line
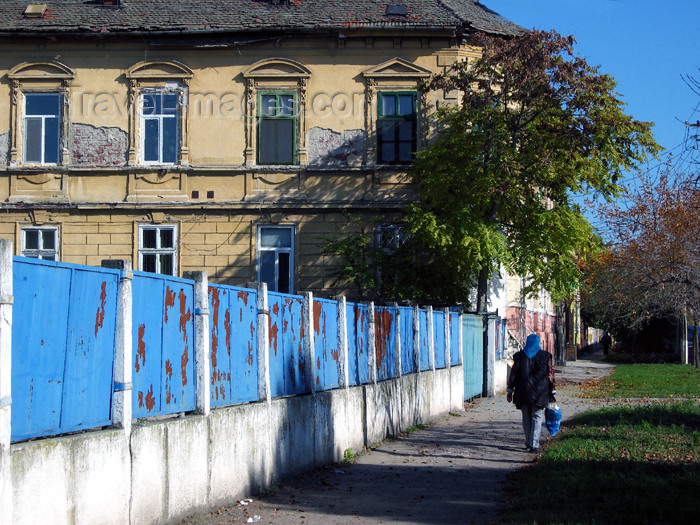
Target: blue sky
x,y
645,44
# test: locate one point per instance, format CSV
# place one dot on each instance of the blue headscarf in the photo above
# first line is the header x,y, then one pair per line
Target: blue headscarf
x,y
532,345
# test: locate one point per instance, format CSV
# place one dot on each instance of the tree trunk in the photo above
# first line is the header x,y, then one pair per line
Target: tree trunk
x,y
482,292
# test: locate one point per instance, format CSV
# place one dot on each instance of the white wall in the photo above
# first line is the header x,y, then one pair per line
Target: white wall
x,y
164,470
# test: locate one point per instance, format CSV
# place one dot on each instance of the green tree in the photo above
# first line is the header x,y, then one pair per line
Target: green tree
x,y
536,127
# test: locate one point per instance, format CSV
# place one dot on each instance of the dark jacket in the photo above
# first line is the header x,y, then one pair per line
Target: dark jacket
x,y
531,379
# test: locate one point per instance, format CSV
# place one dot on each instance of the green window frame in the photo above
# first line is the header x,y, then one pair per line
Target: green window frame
x,y
277,127
396,127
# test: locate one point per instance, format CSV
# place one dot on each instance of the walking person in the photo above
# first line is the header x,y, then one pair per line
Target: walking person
x,y
531,386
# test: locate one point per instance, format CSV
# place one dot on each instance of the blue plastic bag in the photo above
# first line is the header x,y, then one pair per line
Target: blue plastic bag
x,y
552,417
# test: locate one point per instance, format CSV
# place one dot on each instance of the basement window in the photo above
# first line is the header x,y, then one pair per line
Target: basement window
x,y
40,243
158,249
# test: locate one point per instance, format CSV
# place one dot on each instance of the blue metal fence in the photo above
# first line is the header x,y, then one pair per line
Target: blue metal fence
x,y
63,358
473,355
287,361
326,347
358,343
408,362
163,342
423,341
439,338
63,347
455,350
385,341
233,340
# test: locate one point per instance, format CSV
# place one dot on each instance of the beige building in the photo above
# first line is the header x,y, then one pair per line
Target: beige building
x,y
230,137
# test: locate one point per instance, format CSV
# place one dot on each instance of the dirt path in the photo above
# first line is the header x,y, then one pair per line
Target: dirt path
x,y
452,471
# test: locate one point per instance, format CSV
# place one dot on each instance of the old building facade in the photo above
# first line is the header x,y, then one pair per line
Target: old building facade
x,y
230,137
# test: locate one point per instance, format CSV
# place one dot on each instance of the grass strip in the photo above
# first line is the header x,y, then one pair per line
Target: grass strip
x,y
631,464
647,381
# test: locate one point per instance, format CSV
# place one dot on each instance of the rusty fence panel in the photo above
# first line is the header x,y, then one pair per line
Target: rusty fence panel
x,y
326,348
63,347
163,345
439,338
287,359
455,350
408,361
358,340
423,340
385,341
233,339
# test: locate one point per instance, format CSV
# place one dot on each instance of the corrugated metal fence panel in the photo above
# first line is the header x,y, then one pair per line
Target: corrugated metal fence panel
x,y
163,343
473,355
233,339
358,334
63,347
326,349
423,346
408,363
287,362
455,350
385,341
439,338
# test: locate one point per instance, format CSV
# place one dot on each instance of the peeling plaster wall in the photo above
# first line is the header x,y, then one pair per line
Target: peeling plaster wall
x,y
4,147
332,148
99,146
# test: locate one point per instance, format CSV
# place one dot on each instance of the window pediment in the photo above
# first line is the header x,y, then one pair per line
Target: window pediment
x,y
40,71
165,69
276,67
396,68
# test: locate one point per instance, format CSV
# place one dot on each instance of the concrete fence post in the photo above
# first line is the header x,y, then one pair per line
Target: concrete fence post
x,y
123,347
448,340
371,345
201,340
6,299
309,351
263,330
489,389
416,339
344,357
431,339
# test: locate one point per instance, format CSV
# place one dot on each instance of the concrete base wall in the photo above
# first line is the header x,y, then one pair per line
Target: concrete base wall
x,y
164,470
501,375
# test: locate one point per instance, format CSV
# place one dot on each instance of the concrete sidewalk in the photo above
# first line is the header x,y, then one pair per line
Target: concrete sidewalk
x,y
452,471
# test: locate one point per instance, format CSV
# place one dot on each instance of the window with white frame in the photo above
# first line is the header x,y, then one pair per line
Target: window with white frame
x,y
40,243
160,111
42,128
158,249
276,258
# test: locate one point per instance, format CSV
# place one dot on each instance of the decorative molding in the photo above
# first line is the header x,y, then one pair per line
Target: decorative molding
x,y
275,73
160,70
397,68
154,74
